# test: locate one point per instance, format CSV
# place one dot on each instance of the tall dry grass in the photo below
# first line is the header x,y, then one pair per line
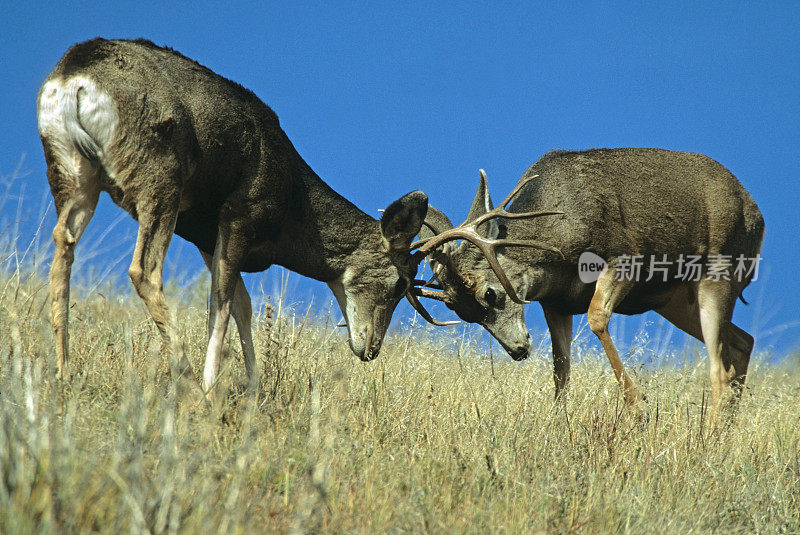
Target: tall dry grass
x,y
434,436
431,437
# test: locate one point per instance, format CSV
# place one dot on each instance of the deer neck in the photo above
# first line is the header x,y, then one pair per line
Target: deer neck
x,y
326,234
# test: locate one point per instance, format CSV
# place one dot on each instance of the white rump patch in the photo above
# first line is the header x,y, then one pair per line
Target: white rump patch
x,y
77,118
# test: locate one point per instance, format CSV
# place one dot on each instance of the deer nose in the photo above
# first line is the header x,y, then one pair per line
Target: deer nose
x,y
522,350
373,349
372,346
367,355
372,354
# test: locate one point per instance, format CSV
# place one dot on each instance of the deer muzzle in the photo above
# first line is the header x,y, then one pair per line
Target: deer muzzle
x,y
517,350
366,348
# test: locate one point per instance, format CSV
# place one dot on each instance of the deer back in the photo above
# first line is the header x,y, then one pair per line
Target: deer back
x,y
637,201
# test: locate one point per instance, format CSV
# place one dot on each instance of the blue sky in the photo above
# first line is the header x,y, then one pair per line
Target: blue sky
x,y
382,99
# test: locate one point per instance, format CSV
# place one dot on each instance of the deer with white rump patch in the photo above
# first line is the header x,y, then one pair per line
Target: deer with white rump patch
x,y
186,151
616,204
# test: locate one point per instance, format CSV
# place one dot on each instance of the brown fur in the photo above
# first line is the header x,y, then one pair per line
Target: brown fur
x,y
199,155
616,202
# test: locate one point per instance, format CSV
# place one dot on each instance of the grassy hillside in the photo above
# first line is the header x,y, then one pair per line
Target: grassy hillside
x,y
431,437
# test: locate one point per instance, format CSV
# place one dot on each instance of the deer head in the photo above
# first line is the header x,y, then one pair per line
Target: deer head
x,y
379,274
470,277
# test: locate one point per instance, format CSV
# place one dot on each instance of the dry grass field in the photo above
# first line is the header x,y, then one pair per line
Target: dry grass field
x,y
432,437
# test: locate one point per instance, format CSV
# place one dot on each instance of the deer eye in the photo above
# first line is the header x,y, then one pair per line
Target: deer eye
x,y
400,288
490,297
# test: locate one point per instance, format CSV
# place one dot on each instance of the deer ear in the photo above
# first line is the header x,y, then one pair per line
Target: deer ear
x,y
436,222
481,204
402,220
493,230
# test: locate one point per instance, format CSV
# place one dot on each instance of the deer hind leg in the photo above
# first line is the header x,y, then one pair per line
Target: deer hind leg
x,y
715,301
560,327
740,345
76,195
242,312
683,311
608,293
156,224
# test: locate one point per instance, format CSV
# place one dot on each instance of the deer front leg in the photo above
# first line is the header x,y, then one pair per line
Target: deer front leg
x,y
242,312
229,252
608,293
560,327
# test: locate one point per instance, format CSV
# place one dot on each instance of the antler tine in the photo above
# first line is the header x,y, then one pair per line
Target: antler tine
x,y
522,215
487,248
432,284
527,243
424,313
499,211
419,243
521,184
432,242
468,231
425,292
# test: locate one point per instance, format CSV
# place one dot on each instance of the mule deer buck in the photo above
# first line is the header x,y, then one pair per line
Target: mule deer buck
x,y
620,205
186,151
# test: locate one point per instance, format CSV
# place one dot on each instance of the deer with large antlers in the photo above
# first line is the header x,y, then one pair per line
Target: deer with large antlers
x,y
186,151
660,207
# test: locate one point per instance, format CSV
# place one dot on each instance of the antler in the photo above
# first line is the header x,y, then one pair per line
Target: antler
x,y
426,291
432,284
411,295
468,230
